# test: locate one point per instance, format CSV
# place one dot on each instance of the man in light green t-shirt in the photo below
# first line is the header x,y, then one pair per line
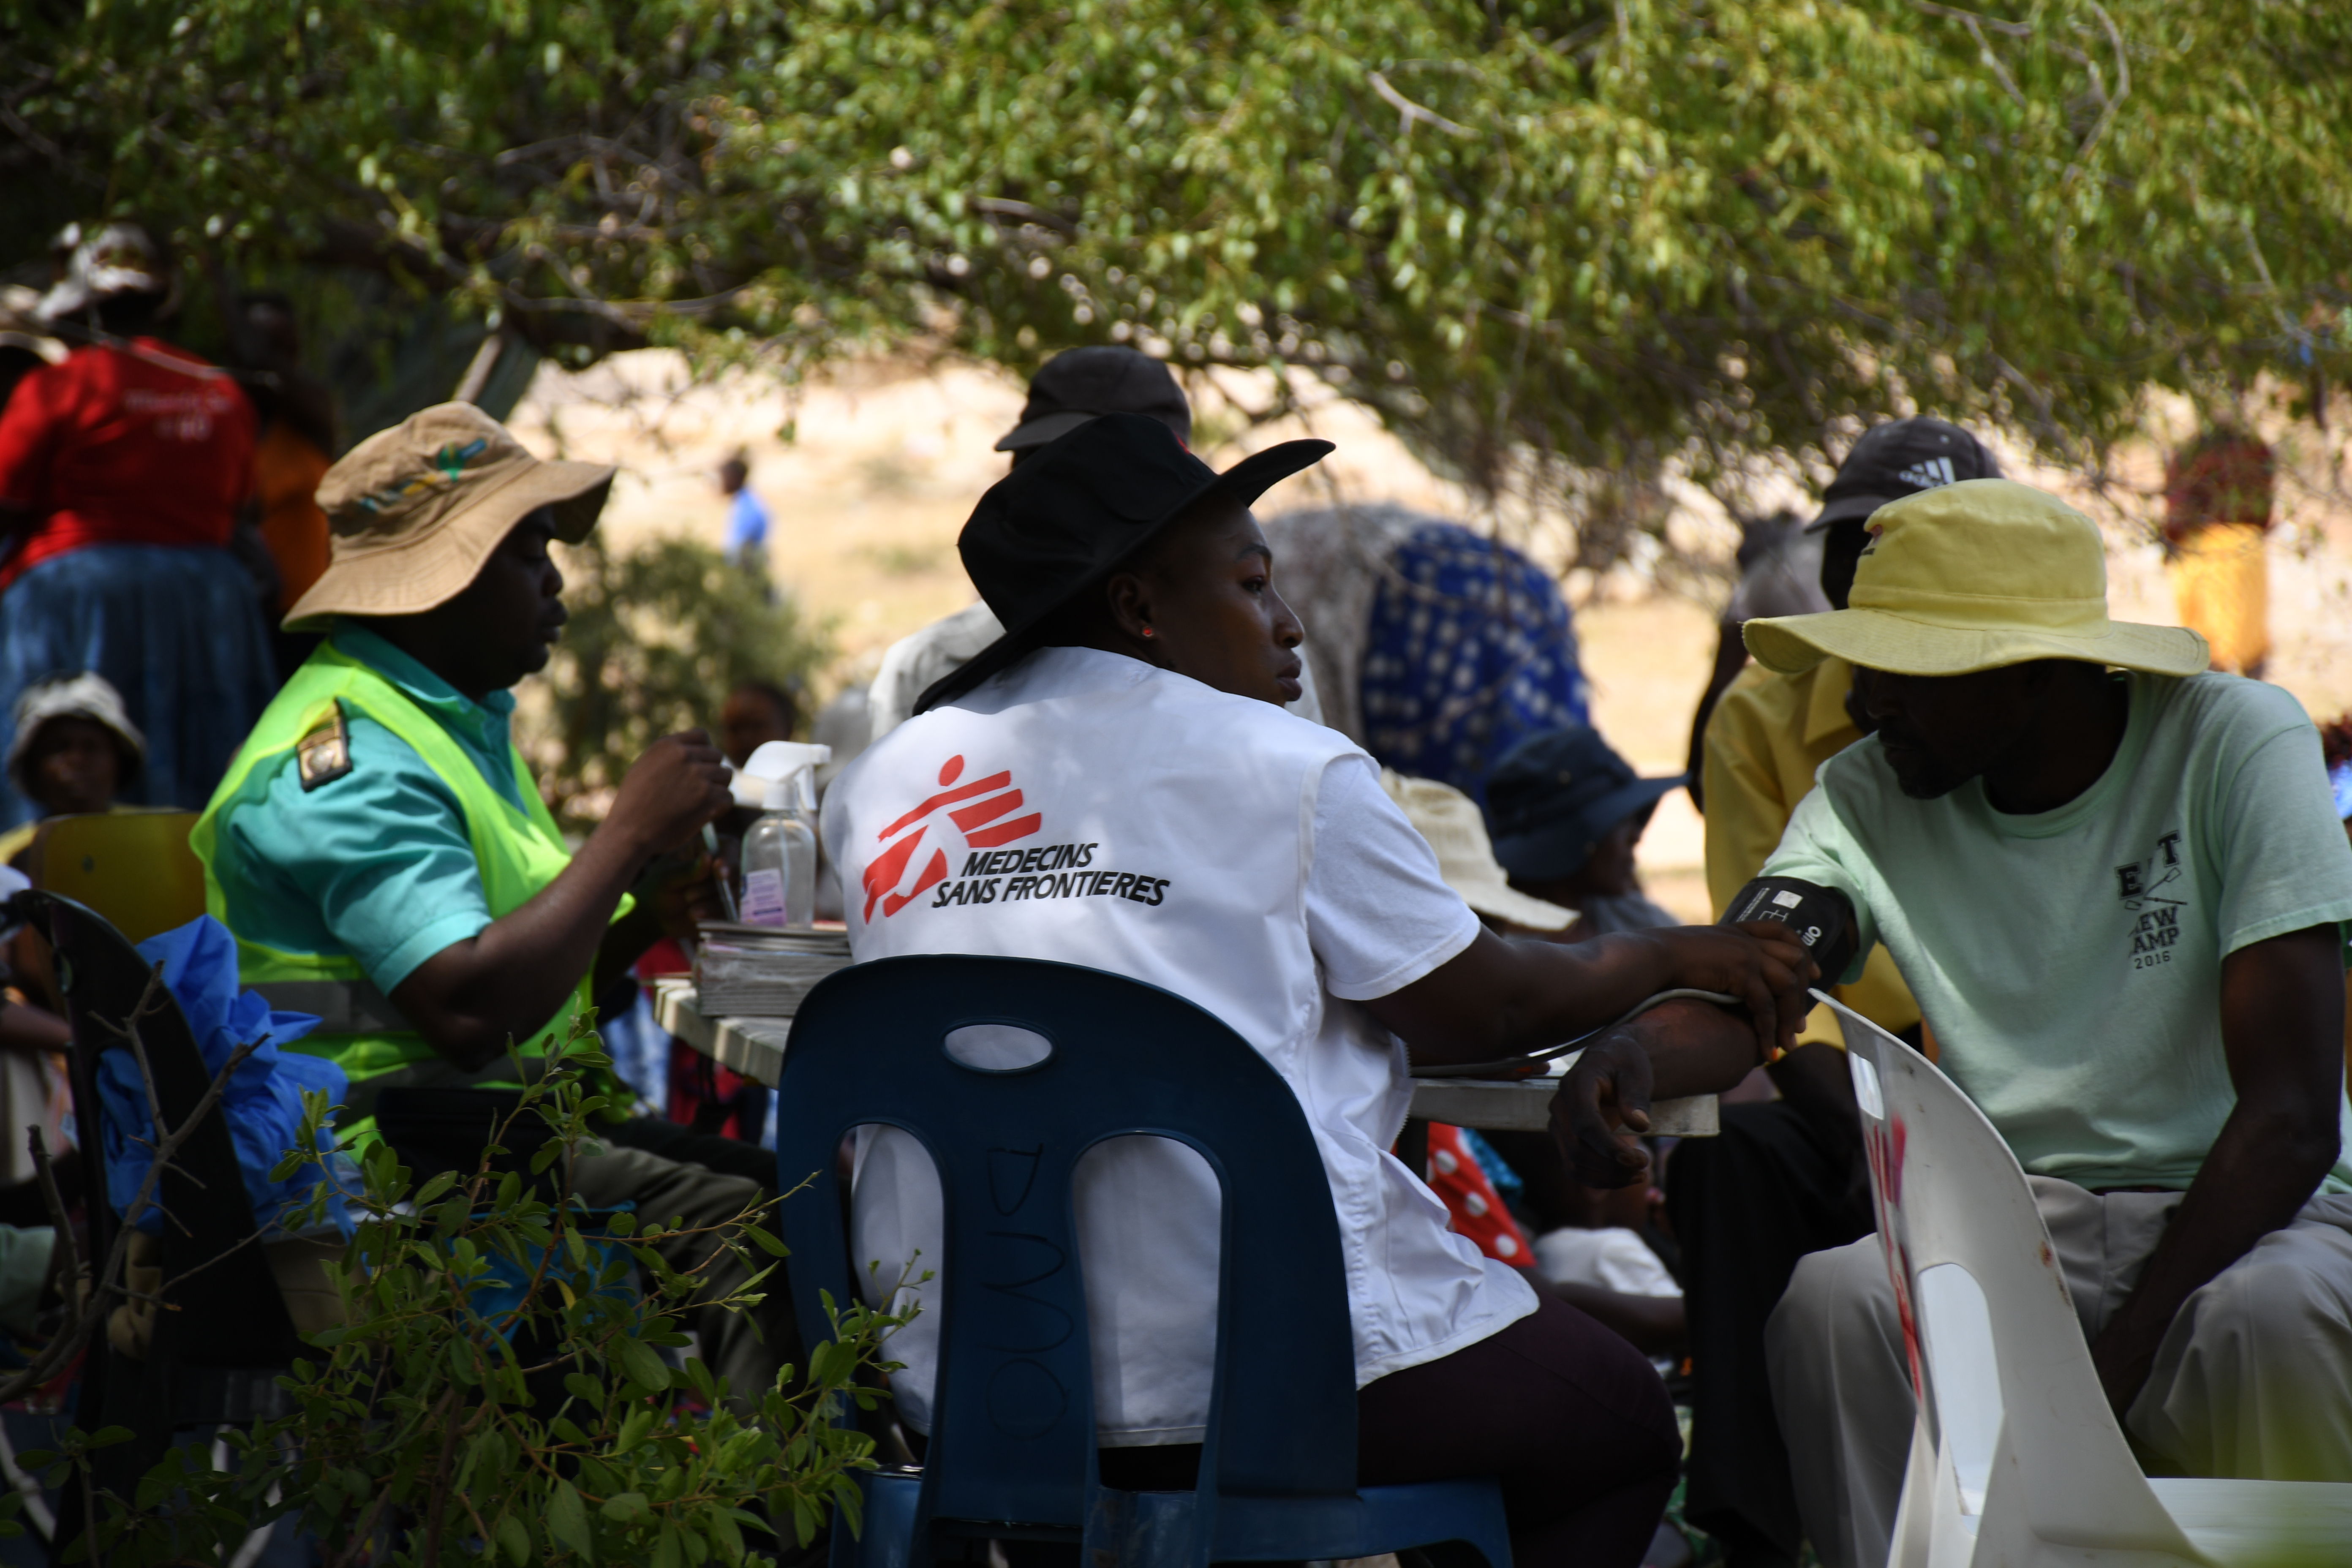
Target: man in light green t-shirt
x,y
2117,885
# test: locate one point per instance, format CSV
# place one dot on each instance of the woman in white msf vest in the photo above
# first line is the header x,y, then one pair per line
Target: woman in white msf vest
x,y
1116,783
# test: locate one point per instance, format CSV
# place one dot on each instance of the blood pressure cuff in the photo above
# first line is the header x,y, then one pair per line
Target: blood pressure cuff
x,y
1820,916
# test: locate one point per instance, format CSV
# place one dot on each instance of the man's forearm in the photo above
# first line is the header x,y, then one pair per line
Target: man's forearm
x,y
1501,998
2262,1171
1694,1047
507,979
1557,991
2283,1032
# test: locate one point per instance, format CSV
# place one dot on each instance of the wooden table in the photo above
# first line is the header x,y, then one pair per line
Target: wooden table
x,y
755,1047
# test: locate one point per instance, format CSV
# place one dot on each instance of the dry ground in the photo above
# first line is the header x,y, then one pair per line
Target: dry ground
x,y
883,462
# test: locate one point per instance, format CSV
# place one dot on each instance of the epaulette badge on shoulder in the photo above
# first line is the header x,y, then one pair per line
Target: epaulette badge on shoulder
x,y
324,751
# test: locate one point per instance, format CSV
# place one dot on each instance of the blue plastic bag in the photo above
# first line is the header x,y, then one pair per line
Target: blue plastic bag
x,y
263,1102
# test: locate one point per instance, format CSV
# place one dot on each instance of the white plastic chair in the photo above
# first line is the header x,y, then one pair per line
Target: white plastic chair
x,y
2016,1459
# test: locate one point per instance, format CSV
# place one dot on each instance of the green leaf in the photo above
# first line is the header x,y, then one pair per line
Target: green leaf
x,y
514,1540
640,1366
634,1426
729,1537
433,1187
625,1507
567,1521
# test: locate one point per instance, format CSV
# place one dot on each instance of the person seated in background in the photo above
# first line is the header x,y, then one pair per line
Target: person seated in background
x,y
1567,814
72,750
1785,1174
381,852
1250,862
754,713
2119,888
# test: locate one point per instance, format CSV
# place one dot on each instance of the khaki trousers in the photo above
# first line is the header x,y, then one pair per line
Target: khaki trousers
x,y
2253,1381
747,1349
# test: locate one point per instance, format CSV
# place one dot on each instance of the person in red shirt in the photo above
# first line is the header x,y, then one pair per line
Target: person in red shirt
x,y
120,472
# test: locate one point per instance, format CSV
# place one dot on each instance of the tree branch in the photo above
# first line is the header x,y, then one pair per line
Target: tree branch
x,y
1412,112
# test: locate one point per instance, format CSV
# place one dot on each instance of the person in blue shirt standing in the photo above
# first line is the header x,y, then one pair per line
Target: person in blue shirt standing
x,y
747,515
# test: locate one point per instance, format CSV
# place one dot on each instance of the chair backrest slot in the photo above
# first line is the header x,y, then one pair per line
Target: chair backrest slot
x,y
997,1047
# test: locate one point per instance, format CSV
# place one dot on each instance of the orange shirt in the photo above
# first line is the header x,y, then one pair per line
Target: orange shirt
x,y
287,470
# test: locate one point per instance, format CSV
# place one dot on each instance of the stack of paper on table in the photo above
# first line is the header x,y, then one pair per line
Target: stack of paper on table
x,y
758,972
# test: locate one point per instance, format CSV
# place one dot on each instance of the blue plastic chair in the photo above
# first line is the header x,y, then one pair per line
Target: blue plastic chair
x,y
1012,1451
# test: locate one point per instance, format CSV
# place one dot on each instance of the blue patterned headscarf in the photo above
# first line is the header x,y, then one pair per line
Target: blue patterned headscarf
x,y
1470,649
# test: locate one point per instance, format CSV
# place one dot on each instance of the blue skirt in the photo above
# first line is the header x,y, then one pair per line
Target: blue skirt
x,y
180,633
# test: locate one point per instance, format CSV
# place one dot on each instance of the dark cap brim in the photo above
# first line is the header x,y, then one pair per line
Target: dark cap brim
x,y
1244,482
1847,509
1043,431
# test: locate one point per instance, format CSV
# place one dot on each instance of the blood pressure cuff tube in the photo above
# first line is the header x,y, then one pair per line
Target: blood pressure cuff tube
x,y
1819,915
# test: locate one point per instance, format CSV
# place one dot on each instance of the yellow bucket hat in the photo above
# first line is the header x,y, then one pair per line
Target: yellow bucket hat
x,y
414,511
1972,576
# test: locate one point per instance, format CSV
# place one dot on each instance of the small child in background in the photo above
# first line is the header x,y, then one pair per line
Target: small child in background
x,y
1566,813
73,751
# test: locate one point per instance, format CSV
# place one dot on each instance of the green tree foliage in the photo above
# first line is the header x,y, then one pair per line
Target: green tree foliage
x,y
502,1393
658,637
1530,232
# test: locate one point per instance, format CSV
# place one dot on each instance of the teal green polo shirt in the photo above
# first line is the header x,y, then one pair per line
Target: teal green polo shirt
x,y
375,863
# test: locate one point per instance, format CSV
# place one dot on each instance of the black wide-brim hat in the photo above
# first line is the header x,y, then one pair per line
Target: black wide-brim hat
x,y
1064,521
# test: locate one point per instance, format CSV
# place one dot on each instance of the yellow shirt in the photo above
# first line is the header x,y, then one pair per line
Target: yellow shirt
x,y
1765,739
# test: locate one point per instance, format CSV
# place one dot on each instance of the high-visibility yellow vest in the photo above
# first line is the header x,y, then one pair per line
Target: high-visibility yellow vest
x,y
517,849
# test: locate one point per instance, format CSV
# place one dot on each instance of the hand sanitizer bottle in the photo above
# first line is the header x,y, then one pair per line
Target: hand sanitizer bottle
x,y
779,851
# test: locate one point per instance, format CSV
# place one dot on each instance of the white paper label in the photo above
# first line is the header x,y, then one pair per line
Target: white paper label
x,y
1865,1086
763,898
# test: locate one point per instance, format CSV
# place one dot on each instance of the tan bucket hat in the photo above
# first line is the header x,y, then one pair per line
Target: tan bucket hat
x,y
1972,576
414,511
1450,820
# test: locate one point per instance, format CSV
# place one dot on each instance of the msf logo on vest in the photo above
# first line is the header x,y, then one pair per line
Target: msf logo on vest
x,y
981,813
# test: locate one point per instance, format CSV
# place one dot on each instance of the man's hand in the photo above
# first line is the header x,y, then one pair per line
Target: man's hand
x,y
508,979
677,786
1762,963
1602,1107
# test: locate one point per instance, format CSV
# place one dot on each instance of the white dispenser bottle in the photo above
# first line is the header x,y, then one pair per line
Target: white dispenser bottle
x,y
779,885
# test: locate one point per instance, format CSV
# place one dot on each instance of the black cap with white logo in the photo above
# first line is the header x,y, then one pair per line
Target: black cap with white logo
x,y
1898,458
